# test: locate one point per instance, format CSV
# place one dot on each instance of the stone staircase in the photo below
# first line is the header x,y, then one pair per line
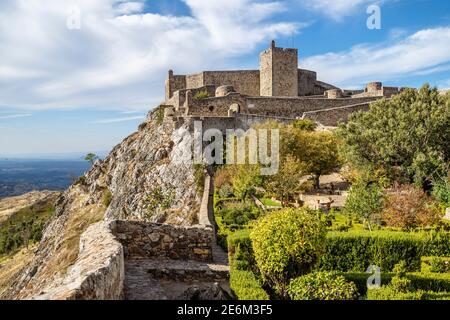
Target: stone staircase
x,y
162,279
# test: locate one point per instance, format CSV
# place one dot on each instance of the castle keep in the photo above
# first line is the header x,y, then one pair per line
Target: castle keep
x,y
278,90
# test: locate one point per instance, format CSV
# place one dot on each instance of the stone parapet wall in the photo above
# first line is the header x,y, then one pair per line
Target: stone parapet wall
x,y
98,273
295,107
148,240
331,117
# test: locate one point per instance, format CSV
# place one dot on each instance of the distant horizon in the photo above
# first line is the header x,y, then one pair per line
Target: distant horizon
x,y
75,156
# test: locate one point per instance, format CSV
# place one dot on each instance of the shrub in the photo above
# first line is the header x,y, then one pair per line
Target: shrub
x,y
356,250
245,286
107,197
322,286
240,250
238,215
225,191
408,207
435,264
159,200
304,124
201,95
287,244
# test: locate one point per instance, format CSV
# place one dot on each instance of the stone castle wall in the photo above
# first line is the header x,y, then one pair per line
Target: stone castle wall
x,y
195,80
306,82
265,106
244,81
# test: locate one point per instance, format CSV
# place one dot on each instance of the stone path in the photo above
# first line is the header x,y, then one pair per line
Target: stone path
x,y
161,279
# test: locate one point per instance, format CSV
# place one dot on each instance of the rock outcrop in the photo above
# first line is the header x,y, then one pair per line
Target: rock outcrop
x,y
143,178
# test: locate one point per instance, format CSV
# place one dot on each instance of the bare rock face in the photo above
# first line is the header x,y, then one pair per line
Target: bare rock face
x,y
145,177
148,180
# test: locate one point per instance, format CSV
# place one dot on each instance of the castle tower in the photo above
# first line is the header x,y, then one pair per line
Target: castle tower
x,y
279,72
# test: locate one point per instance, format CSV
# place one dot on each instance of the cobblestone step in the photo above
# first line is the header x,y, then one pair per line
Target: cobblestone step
x,y
159,279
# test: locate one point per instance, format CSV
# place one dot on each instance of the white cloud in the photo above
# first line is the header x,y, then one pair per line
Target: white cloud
x,y
425,52
339,9
15,116
120,57
115,120
129,7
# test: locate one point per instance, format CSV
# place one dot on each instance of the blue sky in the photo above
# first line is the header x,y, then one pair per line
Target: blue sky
x,y
75,90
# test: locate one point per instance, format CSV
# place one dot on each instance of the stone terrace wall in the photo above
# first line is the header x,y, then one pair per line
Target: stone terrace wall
x,y
144,239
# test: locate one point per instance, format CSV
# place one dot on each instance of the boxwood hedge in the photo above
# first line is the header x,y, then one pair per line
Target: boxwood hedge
x,y
357,250
429,282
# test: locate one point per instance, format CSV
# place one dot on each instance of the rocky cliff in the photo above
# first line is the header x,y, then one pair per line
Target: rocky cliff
x,y
143,178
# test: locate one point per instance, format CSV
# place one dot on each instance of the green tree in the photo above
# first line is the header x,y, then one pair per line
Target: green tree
x,y
287,244
317,150
288,181
245,181
365,201
91,158
407,135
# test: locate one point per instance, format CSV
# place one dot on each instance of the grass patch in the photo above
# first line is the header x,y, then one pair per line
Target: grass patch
x,y
270,203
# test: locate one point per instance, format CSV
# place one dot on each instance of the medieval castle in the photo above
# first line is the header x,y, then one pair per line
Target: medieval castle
x,y
279,90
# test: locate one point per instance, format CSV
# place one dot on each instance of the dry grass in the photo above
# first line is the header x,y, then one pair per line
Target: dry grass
x,y
11,266
78,222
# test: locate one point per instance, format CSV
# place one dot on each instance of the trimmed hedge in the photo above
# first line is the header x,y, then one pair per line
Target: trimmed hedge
x,y
240,249
245,286
322,286
436,282
356,250
387,294
243,281
435,264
